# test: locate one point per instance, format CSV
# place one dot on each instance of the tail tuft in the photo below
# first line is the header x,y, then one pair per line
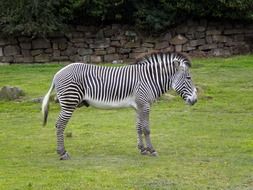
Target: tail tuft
x,y
45,105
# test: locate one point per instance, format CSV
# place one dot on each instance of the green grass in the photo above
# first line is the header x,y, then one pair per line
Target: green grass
x,y
207,146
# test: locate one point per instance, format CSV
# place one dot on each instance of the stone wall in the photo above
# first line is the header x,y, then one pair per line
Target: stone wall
x,y
118,43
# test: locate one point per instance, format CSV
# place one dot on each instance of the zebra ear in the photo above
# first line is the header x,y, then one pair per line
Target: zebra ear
x,y
178,66
176,63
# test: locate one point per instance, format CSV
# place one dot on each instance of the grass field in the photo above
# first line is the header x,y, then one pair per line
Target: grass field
x,y
207,146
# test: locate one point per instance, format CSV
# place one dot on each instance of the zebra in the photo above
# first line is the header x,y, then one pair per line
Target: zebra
x,y
136,85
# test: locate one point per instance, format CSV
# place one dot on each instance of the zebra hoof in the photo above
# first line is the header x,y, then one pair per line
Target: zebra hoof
x,y
65,156
154,153
144,152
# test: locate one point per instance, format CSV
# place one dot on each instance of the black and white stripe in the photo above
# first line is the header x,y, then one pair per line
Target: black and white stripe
x,y
136,85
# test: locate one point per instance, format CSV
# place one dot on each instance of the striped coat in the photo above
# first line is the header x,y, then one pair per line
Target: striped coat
x,y
136,86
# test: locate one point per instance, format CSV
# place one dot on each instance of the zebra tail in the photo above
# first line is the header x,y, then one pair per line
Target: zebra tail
x,y
45,104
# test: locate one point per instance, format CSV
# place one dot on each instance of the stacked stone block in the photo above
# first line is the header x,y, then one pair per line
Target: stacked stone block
x,y
117,43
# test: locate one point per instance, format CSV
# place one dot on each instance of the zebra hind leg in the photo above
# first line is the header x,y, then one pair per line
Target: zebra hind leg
x,y
69,100
61,123
139,128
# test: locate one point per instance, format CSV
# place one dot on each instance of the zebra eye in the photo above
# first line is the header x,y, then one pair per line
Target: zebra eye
x,y
188,78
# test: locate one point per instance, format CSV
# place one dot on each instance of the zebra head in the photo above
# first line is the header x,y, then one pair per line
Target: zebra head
x,y
182,82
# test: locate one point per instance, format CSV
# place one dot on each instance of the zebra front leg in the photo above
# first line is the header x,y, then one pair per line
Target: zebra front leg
x,y
148,141
140,144
143,127
61,123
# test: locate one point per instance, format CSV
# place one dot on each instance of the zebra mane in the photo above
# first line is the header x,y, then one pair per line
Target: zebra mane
x,y
180,57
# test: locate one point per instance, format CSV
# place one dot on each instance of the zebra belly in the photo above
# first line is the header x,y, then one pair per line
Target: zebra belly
x,y
127,102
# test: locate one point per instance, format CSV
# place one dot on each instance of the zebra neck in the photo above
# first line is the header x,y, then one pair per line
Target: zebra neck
x,y
156,78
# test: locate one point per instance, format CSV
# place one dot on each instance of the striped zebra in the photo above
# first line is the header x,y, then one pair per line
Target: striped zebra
x,y
136,86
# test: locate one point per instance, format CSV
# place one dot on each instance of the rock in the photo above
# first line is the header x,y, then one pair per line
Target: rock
x,y
197,42
75,58
111,50
187,47
100,44
200,35
56,53
111,57
129,61
63,46
221,52
115,44
69,51
147,45
108,32
161,45
233,31
178,48
130,33
28,59
167,36
208,46
201,28
220,38
100,52
96,59
125,50
213,32
11,93
48,51
7,59
22,59
81,45
11,50
25,45
132,45
40,44
84,51
37,100
60,58
198,53
168,49
3,63
78,40
140,50
36,52
26,52
178,40
55,46
135,55
209,39
77,35
42,58
82,28
86,58
24,39
1,52
8,41
117,61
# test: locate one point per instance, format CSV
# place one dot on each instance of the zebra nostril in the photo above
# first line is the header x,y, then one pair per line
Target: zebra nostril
x,y
191,101
194,101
